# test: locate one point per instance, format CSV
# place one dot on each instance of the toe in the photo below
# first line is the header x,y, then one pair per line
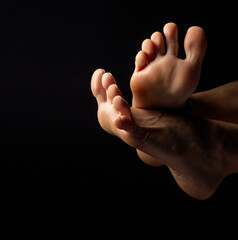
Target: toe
x,y
158,42
122,106
112,92
107,80
141,61
195,44
96,85
148,47
171,34
124,120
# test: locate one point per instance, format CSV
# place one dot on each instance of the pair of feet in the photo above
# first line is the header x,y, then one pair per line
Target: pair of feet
x,y
160,81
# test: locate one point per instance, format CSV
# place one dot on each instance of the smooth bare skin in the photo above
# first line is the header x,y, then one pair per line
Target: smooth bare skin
x,y
199,153
161,80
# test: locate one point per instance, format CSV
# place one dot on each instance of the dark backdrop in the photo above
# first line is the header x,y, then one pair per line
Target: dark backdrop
x,y
55,159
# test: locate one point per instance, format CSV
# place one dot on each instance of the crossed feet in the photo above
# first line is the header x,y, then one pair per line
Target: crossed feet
x,y
149,131
176,141
161,80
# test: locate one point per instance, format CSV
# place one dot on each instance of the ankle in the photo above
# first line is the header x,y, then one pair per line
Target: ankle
x,y
192,106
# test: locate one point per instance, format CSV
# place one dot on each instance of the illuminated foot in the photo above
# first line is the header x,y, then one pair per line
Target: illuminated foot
x,y
113,111
161,80
188,146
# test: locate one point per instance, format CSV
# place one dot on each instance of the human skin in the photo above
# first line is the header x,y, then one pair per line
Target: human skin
x,y
162,80
219,103
199,152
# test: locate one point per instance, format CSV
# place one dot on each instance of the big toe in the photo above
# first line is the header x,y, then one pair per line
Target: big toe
x,y
97,88
195,44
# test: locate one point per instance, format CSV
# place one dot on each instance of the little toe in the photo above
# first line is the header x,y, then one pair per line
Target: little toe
x,y
141,61
195,44
171,34
107,80
148,47
96,85
158,42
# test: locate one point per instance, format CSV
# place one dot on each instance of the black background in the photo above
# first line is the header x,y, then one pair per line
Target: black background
x,y
55,159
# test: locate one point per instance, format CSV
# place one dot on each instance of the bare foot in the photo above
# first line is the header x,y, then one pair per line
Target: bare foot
x,y
162,80
188,146
113,110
